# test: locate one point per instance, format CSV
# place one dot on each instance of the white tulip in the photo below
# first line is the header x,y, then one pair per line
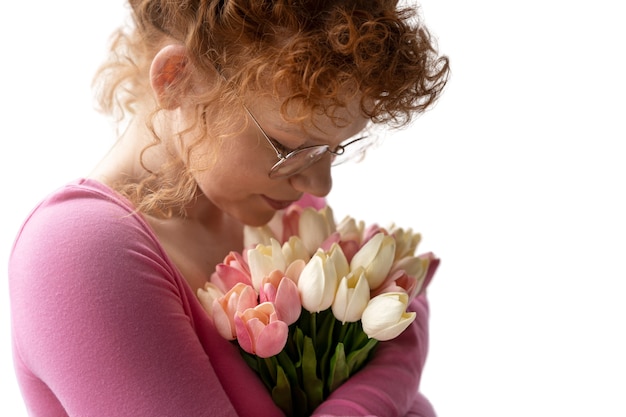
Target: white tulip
x,y
293,249
385,316
376,258
318,283
315,226
353,294
406,241
342,268
264,259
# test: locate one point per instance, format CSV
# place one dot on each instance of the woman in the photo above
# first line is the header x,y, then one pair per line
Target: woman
x,y
229,111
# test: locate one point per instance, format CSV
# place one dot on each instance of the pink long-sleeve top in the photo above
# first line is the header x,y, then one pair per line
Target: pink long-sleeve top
x,y
103,324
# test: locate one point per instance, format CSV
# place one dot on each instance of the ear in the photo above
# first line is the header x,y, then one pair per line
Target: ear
x,y
168,70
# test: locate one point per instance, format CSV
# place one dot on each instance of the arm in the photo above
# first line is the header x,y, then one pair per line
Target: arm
x,y
388,385
101,324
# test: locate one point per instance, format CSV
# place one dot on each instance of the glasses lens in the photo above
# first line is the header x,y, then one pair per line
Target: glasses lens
x,y
298,161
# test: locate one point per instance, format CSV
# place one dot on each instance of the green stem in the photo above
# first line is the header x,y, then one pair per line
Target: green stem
x,y
343,331
314,329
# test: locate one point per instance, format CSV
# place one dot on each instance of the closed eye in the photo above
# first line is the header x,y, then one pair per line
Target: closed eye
x,y
280,147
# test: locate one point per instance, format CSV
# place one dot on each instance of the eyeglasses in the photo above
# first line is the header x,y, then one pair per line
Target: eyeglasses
x,y
299,159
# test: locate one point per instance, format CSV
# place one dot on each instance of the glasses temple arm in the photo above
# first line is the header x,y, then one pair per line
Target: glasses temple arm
x,y
258,125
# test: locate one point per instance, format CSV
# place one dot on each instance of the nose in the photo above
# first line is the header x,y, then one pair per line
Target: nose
x,y
316,179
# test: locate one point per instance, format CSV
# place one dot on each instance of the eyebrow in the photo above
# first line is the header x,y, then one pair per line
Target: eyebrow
x,y
298,133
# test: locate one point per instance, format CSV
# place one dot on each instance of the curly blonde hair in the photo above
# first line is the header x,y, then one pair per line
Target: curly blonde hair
x,y
315,50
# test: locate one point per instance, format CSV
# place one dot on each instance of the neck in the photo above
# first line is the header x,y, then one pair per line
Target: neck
x,y
123,162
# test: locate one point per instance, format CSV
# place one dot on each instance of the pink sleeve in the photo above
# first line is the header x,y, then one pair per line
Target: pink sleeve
x,y
101,325
388,385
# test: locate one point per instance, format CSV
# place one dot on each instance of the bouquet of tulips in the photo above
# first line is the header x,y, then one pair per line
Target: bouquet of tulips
x,y
309,299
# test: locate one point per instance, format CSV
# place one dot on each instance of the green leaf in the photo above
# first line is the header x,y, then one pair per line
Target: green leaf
x,y
358,358
312,384
287,365
325,343
281,393
354,337
300,402
359,338
298,338
339,371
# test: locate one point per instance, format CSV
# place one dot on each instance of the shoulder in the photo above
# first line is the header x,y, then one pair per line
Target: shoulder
x,y
82,212
83,228
84,249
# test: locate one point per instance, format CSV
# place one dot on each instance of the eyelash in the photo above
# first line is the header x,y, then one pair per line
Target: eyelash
x,y
282,148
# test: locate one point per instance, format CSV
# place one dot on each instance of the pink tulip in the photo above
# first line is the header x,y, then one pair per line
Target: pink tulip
x,y
294,270
410,275
399,281
232,270
407,274
333,238
309,200
348,247
240,298
290,222
260,332
371,231
283,293
433,264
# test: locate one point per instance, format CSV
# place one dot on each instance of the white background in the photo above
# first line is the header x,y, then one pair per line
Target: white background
x,y
515,179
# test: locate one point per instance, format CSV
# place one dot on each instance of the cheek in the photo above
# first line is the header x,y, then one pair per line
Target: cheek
x,y
226,167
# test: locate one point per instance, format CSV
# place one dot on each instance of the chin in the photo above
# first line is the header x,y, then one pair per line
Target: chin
x,y
257,219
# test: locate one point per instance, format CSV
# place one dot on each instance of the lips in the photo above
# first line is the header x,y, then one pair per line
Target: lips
x,y
277,204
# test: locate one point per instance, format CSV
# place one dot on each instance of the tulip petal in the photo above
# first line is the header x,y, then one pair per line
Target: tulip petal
x,y
272,339
433,264
260,266
385,316
244,338
395,330
223,322
207,295
253,236
376,257
310,284
342,268
351,298
313,230
294,270
294,250
287,301
226,277
290,222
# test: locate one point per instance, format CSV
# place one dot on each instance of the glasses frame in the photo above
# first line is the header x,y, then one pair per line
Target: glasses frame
x,y
283,158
